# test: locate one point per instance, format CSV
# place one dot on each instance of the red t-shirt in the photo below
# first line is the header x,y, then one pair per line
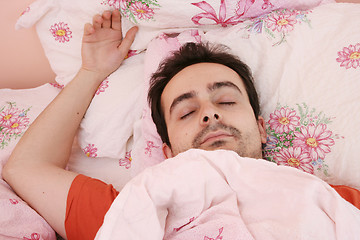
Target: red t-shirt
x,y
89,199
87,203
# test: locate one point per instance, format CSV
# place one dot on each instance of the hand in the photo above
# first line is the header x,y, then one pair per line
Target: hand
x,y
103,46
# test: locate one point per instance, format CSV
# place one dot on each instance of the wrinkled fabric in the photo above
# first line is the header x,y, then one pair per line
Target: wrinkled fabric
x,y
219,195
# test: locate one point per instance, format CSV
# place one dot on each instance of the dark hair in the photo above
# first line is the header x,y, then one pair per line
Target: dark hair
x,y
187,55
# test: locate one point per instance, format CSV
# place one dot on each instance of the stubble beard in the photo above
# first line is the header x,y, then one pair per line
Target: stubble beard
x,y
241,148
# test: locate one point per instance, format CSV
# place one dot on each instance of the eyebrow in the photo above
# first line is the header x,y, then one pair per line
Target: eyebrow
x,y
181,98
214,86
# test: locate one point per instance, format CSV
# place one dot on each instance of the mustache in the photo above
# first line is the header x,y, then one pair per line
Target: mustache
x,y
211,128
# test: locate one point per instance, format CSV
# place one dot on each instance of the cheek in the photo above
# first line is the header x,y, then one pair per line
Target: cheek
x,y
180,139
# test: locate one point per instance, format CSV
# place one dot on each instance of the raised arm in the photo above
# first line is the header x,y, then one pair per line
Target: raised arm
x,y
35,169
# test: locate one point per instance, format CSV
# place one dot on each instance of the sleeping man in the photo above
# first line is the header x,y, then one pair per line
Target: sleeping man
x,y
202,98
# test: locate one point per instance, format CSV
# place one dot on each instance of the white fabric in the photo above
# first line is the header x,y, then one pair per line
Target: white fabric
x,y
108,124
219,195
18,109
297,71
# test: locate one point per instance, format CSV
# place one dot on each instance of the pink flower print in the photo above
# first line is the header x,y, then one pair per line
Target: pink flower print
x,y
61,32
149,146
218,237
102,87
195,34
131,53
16,125
60,86
34,236
284,120
179,228
315,140
117,4
7,115
126,162
283,22
267,4
14,201
141,10
243,6
90,151
209,13
25,11
295,157
349,57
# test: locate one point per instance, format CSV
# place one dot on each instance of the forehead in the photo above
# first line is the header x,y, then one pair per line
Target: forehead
x,y
197,78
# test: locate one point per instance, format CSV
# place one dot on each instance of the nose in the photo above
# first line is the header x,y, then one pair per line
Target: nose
x,y
209,115
207,118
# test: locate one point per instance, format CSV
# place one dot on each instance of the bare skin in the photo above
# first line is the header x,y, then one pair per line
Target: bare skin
x,y
206,106
35,169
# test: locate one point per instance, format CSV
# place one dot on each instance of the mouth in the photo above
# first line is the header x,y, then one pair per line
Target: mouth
x,y
215,136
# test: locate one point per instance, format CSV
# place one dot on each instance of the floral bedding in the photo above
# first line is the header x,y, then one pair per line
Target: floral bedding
x,y
305,61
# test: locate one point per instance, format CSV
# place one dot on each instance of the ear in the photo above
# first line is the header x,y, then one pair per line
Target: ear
x,y
167,151
262,129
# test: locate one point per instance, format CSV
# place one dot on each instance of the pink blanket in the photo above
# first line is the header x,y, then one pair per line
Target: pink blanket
x,y
219,195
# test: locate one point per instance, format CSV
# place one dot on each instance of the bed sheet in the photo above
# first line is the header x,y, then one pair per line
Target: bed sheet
x,y
230,198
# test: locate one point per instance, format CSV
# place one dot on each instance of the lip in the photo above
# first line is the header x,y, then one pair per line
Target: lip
x,y
213,136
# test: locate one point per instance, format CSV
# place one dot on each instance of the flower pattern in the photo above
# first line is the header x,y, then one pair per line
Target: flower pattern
x,y
349,57
132,53
218,237
314,139
149,147
281,22
117,4
13,123
278,24
13,201
126,162
102,87
295,157
223,19
25,11
135,10
90,151
141,10
179,228
61,32
284,120
267,4
16,126
34,236
56,85
299,138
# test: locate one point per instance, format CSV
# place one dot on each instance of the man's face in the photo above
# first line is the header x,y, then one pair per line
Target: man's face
x,y
206,106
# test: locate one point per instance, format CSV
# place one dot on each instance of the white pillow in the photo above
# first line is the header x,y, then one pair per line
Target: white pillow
x,y
18,109
308,91
306,71
109,121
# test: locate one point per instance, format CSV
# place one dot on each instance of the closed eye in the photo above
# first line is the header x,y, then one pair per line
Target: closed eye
x,y
227,103
186,115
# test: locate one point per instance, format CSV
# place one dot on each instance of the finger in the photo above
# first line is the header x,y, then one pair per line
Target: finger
x,y
127,41
97,21
107,19
88,29
116,20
